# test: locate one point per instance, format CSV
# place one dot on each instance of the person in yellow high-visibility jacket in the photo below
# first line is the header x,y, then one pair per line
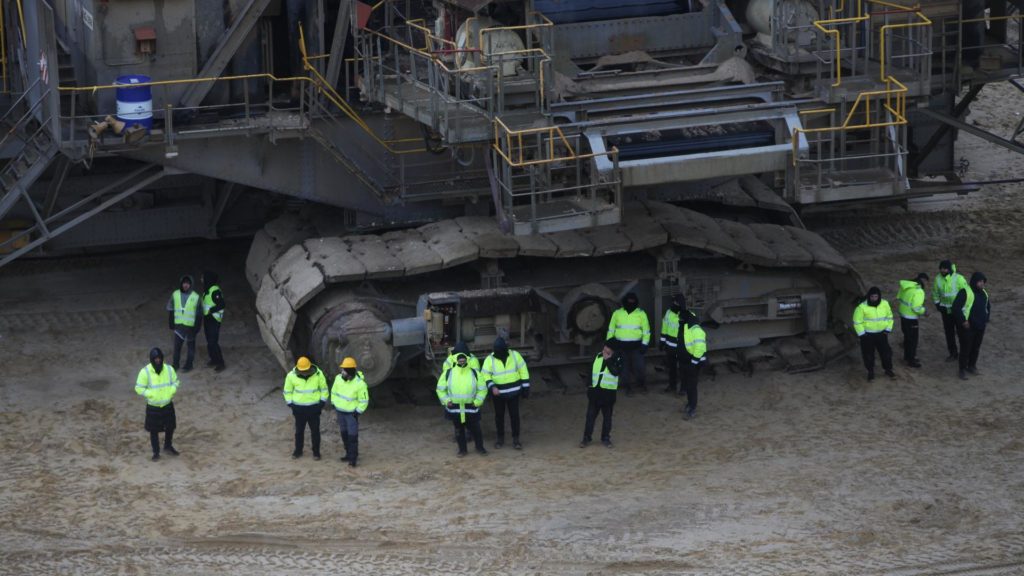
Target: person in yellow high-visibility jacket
x,y
872,321
694,355
630,328
305,392
350,398
947,285
158,383
910,303
461,390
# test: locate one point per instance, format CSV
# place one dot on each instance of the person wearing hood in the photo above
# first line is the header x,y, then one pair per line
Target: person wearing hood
x,y
947,285
350,398
305,392
675,317
872,320
971,310
461,391
213,316
910,303
630,328
158,384
507,377
604,384
460,348
693,355
184,319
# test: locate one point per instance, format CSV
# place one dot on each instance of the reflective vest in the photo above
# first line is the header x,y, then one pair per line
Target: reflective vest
x,y
911,299
509,376
945,288
601,377
670,329
463,387
185,314
696,343
629,326
208,304
872,319
158,389
450,362
350,395
305,391
968,304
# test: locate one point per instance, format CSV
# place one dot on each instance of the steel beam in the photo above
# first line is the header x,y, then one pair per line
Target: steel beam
x,y
341,28
983,134
82,217
958,111
60,172
230,42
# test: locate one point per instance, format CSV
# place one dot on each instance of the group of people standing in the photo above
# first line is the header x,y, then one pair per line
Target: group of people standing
x,y
964,307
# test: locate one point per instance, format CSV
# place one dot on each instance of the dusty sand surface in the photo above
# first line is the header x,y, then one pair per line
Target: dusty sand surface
x,y
819,473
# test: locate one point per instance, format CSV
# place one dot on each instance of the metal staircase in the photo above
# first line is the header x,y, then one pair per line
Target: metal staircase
x,y
31,146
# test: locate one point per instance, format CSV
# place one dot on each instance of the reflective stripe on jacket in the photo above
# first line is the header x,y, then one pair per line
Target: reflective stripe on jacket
x,y
463,387
350,395
869,319
696,343
629,326
910,299
157,389
208,304
185,312
305,391
670,329
601,377
945,288
509,376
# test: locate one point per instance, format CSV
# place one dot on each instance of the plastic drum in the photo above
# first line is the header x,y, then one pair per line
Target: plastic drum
x,y
134,103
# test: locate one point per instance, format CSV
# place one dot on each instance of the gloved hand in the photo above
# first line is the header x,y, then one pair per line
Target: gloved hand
x,y
451,405
495,391
526,393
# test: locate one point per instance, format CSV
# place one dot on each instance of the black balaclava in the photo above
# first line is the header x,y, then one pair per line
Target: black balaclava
x,y
210,278
975,278
181,283
946,264
922,279
500,349
678,303
155,354
460,348
873,290
630,302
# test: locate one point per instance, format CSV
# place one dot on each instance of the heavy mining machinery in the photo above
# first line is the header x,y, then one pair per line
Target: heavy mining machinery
x,y
419,172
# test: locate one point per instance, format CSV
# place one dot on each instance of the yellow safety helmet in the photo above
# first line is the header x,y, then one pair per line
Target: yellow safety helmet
x,y
303,364
348,362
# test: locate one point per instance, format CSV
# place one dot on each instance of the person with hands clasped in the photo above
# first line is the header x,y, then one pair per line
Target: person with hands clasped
x,y
461,391
305,392
350,397
507,377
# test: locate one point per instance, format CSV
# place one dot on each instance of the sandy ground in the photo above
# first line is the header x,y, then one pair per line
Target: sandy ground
x,y
820,473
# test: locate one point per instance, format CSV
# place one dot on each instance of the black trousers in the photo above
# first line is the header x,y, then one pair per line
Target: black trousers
x,y
633,368
690,373
190,358
154,440
672,360
949,329
307,416
603,401
977,335
212,330
473,424
911,330
162,419
869,343
510,402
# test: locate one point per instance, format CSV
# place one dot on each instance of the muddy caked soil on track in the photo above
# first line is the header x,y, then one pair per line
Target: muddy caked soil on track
x,y
818,473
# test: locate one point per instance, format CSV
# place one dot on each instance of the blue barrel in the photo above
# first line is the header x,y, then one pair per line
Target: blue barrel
x,y
134,103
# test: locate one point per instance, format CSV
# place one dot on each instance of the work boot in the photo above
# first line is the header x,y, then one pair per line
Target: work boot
x,y
952,357
481,451
973,370
170,450
963,375
584,443
316,456
219,368
352,463
607,443
499,443
156,456
669,389
296,455
915,363
690,414
871,375
461,453
516,444
890,373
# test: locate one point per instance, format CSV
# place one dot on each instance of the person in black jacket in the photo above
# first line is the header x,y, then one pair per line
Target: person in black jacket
x,y
601,392
971,312
213,316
